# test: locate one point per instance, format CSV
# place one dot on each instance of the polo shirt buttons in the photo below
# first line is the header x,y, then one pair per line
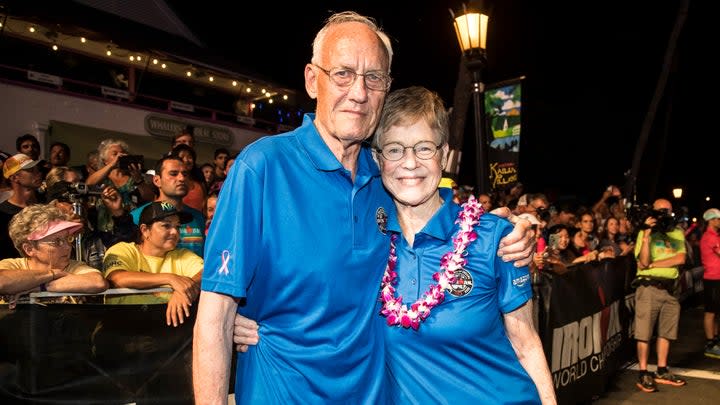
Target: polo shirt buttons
x,y
413,281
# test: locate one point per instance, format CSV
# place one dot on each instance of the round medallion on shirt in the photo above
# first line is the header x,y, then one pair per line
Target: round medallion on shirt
x,y
463,283
381,218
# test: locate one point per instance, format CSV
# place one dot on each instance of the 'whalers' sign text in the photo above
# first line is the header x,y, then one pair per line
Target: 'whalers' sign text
x,y
167,127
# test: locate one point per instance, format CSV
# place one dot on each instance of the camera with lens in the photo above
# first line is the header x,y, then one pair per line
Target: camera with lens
x,y
66,191
664,219
82,189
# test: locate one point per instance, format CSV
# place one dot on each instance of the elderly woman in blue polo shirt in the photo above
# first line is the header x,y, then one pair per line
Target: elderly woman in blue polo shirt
x,y
459,318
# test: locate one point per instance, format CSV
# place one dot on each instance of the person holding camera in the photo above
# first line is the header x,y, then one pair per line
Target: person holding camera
x,y
125,175
659,251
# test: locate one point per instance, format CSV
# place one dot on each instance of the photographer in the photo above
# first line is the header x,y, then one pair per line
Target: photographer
x,y
73,200
128,180
660,251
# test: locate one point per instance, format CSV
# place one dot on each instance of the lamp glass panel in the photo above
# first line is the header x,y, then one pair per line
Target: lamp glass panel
x,y
471,30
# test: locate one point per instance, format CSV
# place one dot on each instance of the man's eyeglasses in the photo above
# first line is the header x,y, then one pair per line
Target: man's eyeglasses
x,y
59,241
344,78
395,151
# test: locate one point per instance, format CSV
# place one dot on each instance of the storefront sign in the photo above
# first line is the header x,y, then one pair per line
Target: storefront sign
x,y
167,127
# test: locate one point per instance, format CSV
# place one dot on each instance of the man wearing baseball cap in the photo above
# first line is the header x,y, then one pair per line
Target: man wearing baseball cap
x,y
22,173
710,257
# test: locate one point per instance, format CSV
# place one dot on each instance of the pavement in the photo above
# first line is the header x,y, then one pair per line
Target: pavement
x,y
686,359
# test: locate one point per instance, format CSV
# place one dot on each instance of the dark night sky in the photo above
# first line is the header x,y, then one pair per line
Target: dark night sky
x,y
591,70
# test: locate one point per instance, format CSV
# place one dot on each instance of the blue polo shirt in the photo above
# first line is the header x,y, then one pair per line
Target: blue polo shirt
x,y
192,234
296,237
460,354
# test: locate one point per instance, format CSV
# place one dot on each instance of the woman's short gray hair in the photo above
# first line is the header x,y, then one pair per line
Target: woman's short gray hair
x,y
106,144
409,105
30,219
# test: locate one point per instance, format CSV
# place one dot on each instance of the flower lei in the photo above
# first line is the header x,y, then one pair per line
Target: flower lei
x,y
393,309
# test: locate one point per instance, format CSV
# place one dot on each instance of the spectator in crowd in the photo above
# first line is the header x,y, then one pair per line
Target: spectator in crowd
x,y
625,230
584,242
59,155
217,185
24,177
537,205
196,192
155,261
90,166
61,173
5,189
659,252
184,137
208,171
298,207
220,159
556,257
611,245
565,215
603,208
130,181
94,242
510,193
209,210
521,205
710,256
43,235
486,201
171,177
28,145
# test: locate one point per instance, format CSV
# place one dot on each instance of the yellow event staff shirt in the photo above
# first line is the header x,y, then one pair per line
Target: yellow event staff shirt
x,y
127,256
662,246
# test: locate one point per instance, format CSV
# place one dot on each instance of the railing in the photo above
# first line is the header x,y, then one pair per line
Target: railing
x,y
76,88
36,297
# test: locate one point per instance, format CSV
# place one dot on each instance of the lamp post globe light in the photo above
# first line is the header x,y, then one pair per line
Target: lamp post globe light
x,y
471,30
677,192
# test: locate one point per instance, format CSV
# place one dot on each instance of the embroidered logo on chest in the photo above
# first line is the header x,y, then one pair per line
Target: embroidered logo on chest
x,y
463,283
381,220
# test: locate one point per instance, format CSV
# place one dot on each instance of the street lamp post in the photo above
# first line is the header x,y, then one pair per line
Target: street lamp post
x,y
471,30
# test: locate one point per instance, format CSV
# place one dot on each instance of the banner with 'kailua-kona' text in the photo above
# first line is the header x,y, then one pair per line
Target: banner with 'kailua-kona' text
x,y
503,105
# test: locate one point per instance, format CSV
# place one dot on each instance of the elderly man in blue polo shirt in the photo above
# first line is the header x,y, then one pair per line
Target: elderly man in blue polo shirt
x,y
300,234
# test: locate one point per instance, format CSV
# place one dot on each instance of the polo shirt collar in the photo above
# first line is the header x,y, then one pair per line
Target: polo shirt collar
x,y
442,225
322,157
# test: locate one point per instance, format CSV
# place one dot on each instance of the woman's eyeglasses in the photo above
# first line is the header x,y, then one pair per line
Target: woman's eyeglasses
x,y
396,151
59,241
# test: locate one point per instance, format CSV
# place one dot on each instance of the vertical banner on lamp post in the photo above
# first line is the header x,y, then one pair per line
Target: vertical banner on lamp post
x,y
503,106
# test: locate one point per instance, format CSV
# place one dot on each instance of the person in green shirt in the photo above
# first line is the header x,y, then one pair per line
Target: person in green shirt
x,y
659,251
